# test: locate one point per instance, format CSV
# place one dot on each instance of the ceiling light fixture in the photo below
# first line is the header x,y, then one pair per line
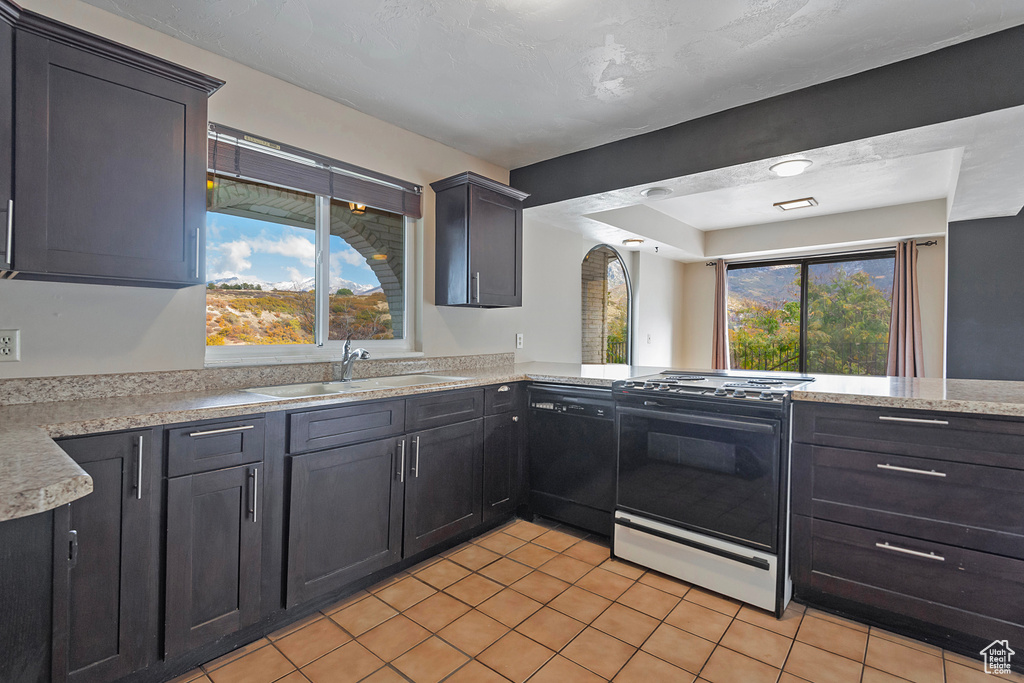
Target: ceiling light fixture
x,y
357,209
805,203
790,167
632,242
656,192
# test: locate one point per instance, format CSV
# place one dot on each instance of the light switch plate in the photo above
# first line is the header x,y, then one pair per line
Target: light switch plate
x,y
10,345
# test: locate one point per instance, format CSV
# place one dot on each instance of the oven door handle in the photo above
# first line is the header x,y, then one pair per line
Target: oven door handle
x,y
702,420
756,562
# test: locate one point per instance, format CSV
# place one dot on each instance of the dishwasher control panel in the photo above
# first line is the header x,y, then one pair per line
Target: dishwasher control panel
x,y
582,409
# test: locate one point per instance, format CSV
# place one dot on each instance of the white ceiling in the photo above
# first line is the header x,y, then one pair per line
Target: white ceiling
x,y
519,81
837,186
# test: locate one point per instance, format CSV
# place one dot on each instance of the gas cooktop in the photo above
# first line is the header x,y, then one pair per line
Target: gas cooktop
x,y
711,384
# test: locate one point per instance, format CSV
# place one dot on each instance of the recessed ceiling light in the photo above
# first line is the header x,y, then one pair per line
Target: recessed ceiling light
x,y
656,192
632,242
805,203
790,167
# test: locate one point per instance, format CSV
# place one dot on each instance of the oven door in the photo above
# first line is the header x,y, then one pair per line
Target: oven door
x,y
711,473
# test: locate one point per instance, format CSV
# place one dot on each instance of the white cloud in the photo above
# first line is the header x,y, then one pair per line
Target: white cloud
x,y
350,256
292,246
295,274
233,259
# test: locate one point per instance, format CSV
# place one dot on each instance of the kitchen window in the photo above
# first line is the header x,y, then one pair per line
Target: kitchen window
x,y
826,315
302,252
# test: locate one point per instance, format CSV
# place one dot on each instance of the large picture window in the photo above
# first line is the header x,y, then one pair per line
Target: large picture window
x,y
288,266
823,315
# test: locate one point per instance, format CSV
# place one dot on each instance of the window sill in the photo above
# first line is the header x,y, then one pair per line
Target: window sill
x,y
273,357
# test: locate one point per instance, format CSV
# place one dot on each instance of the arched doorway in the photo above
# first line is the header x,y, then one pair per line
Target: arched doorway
x,y
607,307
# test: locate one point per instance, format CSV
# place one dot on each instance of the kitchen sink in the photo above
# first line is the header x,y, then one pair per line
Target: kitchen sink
x,y
310,389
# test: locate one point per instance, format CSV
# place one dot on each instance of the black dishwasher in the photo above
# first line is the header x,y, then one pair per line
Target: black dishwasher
x,y
572,455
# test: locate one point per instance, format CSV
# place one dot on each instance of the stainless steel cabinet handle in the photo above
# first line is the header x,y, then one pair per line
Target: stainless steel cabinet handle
x,y
401,461
416,458
254,481
8,255
223,431
907,551
197,253
504,388
72,548
138,469
476,296
913,420
651,403
895,468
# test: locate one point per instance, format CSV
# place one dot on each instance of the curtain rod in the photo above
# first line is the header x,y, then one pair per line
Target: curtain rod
x,y
929,243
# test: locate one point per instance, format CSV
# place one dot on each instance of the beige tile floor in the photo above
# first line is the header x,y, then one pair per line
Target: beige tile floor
x,y
545,604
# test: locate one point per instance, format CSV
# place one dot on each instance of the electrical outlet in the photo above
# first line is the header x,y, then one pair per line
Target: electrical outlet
x,y
10,345
648,339
519,340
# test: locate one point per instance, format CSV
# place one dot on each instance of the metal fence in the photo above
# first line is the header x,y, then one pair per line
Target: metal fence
x,y
616,352
836,358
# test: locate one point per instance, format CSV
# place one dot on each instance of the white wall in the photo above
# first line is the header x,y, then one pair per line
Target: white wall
x,y
925,218
658,298
76,329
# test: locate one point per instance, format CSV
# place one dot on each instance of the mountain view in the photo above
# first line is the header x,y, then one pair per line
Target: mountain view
x,y
848,306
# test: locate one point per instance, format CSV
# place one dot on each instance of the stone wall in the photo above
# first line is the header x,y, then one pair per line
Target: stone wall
x,y
595,290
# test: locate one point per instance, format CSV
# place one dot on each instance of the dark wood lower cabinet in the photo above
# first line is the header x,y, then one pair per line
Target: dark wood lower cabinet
x,y
346,516
442,484
214,539
501,465
106,580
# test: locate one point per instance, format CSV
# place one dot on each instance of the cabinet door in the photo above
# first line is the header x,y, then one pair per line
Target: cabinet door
x,y
443,492
6,136
213,555
111,164
500,465
110,586
346,516
495,248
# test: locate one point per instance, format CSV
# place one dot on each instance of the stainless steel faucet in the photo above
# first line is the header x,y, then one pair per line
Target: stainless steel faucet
x,y
349,358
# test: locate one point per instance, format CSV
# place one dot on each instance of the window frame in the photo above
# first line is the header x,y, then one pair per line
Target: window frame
x,y
322,349
805,263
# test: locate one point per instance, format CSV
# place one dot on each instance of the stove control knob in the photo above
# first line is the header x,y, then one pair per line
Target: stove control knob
x,y
721,392
663,387
629,385
766,396
739,393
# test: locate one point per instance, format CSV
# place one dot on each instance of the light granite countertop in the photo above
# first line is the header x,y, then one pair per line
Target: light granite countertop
x,y
979,397
36,475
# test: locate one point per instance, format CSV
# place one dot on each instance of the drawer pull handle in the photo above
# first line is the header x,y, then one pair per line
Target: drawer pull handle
x,y
913,420
907,551
503,388
223,431
911,470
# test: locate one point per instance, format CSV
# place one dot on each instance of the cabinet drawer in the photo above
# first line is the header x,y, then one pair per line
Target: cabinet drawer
x,y
975,592
214,445
316,429
500,398
962,504
941,436
442,409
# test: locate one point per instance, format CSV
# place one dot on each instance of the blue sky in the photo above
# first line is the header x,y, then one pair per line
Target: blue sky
x,y
248,248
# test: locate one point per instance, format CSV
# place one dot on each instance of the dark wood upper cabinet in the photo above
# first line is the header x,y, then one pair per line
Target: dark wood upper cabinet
x,y
479,242
106,580
6,133
109,160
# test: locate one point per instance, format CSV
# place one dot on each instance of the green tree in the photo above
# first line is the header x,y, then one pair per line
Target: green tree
x,y
344,291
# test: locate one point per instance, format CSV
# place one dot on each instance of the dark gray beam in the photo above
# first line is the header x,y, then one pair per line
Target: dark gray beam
x,y
966,79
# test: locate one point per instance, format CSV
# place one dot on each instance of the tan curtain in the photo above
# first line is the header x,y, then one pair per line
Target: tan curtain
x,y
720,342
906,358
